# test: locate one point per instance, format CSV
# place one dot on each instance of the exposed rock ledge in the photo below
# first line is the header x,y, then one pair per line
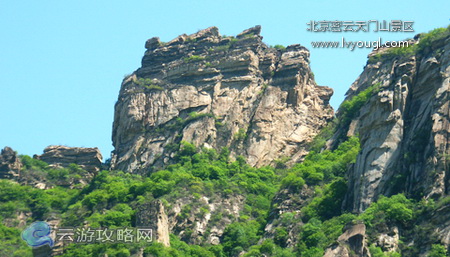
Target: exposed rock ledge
x,y
89,159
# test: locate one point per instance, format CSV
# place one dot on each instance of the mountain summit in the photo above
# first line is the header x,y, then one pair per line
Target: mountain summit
x,y
215,91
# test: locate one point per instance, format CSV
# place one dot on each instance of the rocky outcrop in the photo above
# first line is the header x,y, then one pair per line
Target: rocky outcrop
x,y
153,216
90,159
350,244
194,219
10,164
204,220
404,128
216,91
389,241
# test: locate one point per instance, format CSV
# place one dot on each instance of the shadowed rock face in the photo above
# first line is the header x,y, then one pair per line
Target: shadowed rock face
x,y
404,128
10,164
215,91
90,159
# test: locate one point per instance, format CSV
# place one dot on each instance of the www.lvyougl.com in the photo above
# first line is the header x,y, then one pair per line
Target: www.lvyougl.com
x,y
360,44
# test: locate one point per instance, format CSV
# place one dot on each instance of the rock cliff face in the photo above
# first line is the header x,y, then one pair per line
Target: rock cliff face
x,y
404,131
216,91
404,127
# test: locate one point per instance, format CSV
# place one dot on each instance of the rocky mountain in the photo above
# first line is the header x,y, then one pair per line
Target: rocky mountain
x,y
225,146
399,110
403,123
216,91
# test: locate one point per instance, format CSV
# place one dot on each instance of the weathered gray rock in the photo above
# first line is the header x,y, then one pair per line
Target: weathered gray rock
x,y
254,31
441,222
404,128
152,43
10,164
389,241
204,227
90,159
153,216
259,102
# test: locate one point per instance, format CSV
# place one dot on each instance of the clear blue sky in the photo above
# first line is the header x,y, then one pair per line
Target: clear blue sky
x,y
62,62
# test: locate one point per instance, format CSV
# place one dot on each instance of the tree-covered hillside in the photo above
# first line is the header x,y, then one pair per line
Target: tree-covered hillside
x,y
112,198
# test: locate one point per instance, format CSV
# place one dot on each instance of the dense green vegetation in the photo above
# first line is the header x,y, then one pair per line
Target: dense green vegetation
x,y
323,216
245,199
112,198
438,250
11,243
378,252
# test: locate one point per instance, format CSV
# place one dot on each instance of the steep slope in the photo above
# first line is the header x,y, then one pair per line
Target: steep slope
x,y
404,125
399,110
216,91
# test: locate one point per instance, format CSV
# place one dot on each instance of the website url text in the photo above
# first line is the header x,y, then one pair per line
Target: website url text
x,y
360,44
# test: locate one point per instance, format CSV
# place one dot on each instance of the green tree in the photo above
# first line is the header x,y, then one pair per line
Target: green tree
x,y
438,250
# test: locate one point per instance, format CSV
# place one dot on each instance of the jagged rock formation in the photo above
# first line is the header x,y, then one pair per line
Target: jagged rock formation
x,y
215,91
404,128
10,164
90,159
